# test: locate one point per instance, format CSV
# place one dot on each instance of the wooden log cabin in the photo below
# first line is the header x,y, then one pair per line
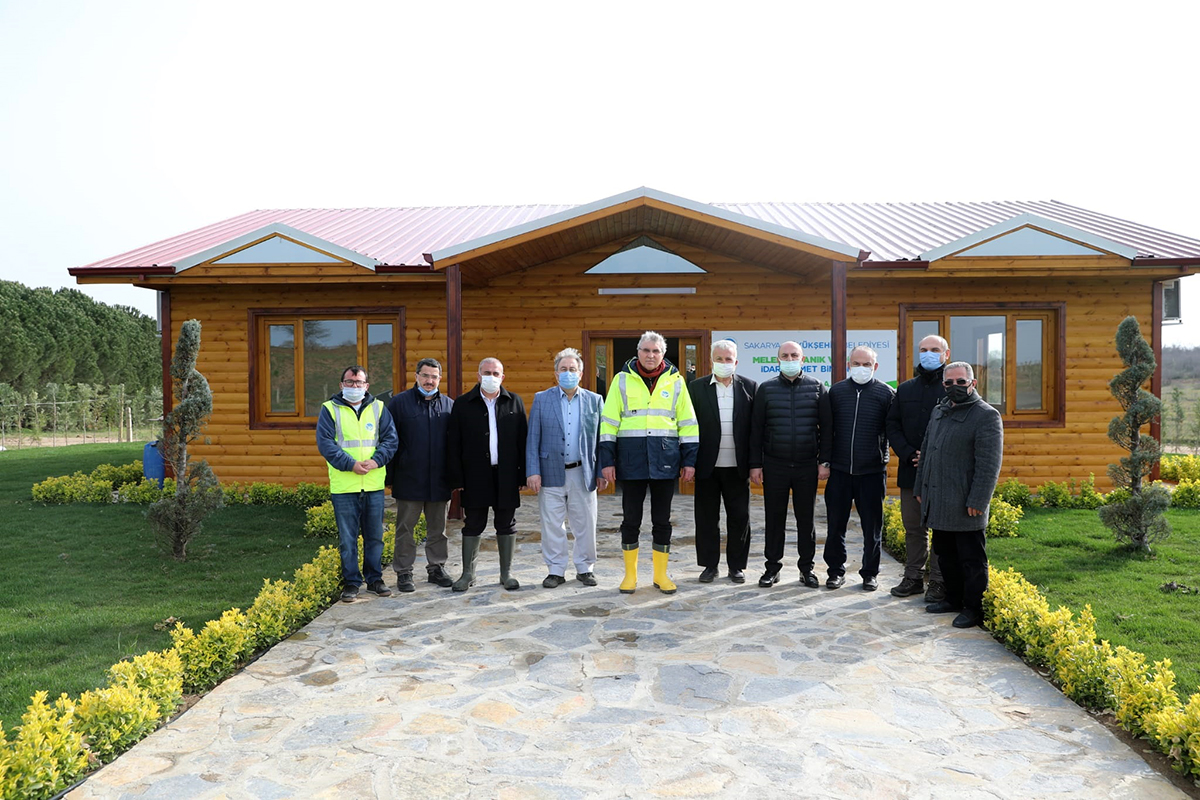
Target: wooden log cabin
x,y
1029,292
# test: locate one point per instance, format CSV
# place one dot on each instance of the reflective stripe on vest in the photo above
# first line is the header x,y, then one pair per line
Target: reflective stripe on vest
x,y
365,430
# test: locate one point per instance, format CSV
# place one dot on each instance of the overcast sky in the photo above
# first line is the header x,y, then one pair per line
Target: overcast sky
x,y
122,123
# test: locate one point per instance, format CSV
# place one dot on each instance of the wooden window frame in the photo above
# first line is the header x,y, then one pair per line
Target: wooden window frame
x,y
1054,385
259,318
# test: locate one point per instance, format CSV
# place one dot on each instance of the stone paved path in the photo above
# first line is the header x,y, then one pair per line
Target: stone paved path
x,y
717,691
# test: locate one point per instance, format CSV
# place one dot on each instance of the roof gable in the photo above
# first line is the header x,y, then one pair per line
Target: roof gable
x,y
276,244
1029,235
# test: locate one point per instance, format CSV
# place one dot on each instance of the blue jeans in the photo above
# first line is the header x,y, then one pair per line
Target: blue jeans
x,y
354,512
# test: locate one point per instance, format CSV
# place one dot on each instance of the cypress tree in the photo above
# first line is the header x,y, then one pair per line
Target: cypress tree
x,y
1136,517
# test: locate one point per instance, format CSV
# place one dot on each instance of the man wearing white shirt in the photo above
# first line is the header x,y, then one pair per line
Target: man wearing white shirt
x,y
485,457
723,403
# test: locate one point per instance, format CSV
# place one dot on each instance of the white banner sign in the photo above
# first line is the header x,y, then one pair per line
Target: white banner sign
x,y
758,351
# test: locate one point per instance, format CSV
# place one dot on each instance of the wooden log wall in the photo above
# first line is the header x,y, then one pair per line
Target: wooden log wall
x,y
525,317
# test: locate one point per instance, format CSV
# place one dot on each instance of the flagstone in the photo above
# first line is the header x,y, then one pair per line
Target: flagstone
x,y
719,690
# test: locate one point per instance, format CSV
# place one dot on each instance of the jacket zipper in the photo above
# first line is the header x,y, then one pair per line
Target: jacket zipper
x,y
854,429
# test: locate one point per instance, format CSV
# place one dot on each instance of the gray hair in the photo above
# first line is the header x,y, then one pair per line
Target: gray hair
x,y
654,337
961,365
489,360
874,356
724,344
942,340
569,352
429,362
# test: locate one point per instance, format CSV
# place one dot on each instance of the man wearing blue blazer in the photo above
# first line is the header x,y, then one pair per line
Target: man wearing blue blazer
x,y
560,467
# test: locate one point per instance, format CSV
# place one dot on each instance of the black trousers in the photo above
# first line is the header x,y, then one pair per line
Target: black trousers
x,y
475,520
866,493
723,485
633,499
800,482
963,558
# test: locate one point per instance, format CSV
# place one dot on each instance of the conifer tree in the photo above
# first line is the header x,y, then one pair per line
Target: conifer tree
x,y
178,518
1136,518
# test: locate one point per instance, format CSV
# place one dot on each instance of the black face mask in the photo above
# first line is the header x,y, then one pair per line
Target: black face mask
x,y
958,394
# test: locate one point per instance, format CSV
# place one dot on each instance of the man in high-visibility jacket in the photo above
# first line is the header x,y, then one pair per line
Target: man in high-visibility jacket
x,y
649,438
356,436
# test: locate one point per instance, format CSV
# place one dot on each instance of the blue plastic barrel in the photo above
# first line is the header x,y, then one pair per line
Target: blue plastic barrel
x,y
152,464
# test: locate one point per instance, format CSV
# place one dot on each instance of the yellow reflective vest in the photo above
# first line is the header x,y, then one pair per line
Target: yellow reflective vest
x,y
648,435
358,436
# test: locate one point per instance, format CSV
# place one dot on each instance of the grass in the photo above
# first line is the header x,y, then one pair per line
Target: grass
x,y
1074,560
82,586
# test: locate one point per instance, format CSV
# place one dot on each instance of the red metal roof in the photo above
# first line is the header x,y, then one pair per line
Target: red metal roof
x,y
890,231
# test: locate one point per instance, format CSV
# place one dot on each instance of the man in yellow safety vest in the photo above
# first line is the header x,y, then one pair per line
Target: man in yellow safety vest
x,y
649,437
356,436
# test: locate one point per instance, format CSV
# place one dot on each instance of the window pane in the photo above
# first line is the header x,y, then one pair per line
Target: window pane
x,y
691,361
282,367
330,345
921,329
380,357
602,369
1029,365
980,342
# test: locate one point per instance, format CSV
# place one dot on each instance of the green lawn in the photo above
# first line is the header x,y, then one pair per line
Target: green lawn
x,y
1074,560
82,586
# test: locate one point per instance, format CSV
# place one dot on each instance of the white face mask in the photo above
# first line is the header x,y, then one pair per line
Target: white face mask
x,y
489,383
861,374
790,368
722,370
353,394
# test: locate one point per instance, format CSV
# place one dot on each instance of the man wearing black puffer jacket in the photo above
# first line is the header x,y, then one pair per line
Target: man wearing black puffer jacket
x,y
858,468
915,401
790,442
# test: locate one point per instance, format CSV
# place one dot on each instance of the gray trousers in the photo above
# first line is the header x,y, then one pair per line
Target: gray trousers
x,y
916,541
408,513
572,503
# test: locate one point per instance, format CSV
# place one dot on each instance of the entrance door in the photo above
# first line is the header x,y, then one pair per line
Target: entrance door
x,y
609,351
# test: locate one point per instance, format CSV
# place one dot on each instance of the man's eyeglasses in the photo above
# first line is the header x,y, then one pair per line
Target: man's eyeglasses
x,y
960,382
426,377
354,384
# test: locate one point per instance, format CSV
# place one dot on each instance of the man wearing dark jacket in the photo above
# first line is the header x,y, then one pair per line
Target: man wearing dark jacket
x,y
858,467
722,402
417,475
791,438
915,401
485,457
356,437
957,474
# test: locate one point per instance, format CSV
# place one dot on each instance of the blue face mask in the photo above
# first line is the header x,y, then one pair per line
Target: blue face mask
x,y
429,393
931,360
568,380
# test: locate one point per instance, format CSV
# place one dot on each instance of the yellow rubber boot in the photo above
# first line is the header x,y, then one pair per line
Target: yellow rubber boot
x,y
665,584
630,582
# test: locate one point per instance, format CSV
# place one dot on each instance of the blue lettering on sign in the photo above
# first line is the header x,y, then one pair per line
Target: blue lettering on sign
x,y
771,368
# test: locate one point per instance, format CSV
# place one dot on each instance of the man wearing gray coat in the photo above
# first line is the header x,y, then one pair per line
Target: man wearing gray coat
x,y
956,475
560,465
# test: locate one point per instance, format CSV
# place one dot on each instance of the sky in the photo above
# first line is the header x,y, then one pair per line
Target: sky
x,y
122,123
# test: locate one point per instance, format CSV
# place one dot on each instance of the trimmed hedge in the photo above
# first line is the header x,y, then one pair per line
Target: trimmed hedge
x,y
125,484
56,743
1093,673
1179,468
